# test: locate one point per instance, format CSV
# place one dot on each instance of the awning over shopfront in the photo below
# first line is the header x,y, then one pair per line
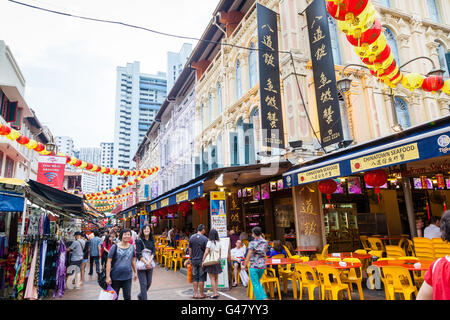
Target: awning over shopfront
x,y
418,143
11,201
187,192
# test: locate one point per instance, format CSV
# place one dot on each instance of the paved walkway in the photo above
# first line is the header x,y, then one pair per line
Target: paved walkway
x,y
170,285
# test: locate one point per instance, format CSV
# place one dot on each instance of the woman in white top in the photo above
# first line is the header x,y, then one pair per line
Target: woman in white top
x,y
213,270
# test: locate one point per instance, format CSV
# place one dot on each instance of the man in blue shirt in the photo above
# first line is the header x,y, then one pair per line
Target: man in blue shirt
x,y
95,248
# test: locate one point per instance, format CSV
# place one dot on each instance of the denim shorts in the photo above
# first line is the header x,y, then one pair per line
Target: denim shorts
x,y
198,273
84,260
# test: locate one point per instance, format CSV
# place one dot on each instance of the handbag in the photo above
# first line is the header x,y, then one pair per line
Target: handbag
x,y
244,277
146,254
212,258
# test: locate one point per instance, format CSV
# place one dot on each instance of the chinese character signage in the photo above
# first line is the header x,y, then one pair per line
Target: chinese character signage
x,y
51,171
329,114
269,78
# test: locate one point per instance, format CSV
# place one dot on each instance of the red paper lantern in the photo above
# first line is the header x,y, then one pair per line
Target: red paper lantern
x,y
4,130
39,147
172,209
328,187
23,140
113,171
200,204
184,207
367,37
379,58
107,170
433,83
346,9
89,166
163,212
376,179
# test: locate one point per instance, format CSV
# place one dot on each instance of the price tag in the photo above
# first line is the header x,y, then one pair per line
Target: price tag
x,y
276,260
338,255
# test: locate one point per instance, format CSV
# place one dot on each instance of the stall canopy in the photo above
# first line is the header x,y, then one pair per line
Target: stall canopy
x,y
11,201
189,191
422,142
66,201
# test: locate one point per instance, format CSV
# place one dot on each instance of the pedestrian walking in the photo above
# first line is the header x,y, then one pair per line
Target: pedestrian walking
x,y
171,237
76,258
145,250
95,249
197,247
121,265
255,261
213,248
85,255
106,246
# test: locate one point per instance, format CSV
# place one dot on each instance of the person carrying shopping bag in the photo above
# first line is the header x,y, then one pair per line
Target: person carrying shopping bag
x,y
121,265
211,261
145,250
255,261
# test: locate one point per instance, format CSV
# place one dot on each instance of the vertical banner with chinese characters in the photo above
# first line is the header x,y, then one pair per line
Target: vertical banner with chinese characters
x,y
269,78
328,110
51,171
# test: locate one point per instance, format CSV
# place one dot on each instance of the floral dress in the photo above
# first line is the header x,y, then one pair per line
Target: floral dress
x,y
258,259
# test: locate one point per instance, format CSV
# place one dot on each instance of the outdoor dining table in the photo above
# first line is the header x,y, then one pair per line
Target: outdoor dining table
x,y
334,264
344,255
282,261
408,264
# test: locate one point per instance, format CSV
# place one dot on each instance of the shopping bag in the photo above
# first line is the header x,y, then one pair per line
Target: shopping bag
x,y
244,277
108,294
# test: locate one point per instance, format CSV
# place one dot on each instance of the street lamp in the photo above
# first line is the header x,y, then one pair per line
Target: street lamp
x,y
51,146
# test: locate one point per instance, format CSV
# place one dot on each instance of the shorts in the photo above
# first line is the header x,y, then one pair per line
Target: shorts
x,y
198,273
236,263
84,260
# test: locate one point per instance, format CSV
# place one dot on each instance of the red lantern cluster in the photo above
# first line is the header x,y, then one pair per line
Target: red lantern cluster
x,y
172,209
184,207
346,9
200,204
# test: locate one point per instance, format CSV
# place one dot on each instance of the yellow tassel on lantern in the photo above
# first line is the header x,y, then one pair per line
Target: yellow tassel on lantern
x,y
83,164
413,81
446,87
359,24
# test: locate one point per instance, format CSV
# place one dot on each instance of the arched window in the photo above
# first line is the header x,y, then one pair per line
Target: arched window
x,y
238,80
219,99
252,66
386,3
334,41
444,58
241,141
433,13
392,42
401,108
210,107
235,151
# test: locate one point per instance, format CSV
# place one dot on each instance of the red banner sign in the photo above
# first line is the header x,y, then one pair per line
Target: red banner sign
x,y
51,171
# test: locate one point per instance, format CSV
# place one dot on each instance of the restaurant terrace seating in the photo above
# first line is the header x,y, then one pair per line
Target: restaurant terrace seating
x,y
331,283
394,251
308,280
398,280
354,276
423,248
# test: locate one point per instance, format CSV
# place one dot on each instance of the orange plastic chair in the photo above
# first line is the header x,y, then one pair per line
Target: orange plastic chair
x,y
399,281
354,276
331,282
308,280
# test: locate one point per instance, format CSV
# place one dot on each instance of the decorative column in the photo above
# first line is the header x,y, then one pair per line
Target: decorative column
x,y
245,73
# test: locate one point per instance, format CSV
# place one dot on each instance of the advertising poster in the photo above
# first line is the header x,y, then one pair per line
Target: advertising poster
x,y
265,191
51,171
257,194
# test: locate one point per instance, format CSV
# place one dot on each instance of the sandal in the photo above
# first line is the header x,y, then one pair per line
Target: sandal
x,y
201,297
214,297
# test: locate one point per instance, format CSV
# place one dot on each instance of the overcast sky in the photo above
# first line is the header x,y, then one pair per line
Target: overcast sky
x,y
70,64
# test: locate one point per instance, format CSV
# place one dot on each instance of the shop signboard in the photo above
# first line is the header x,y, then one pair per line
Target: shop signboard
x,y
326,172
219,222
328,109
269,78
182,196
51,171
385,158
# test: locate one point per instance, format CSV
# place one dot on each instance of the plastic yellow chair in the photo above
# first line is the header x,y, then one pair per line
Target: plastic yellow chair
x,y
398,280
423,248
177,258
308,280
365,242
331,282
288,252
324,254
376,246
270,281
167,257
394,251
354,276
360,251
334,259
441,248
383,279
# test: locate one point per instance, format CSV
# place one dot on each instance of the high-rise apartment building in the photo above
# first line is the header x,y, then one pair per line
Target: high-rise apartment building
x,y
65,145
106,160
139,96
90,181
176,62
